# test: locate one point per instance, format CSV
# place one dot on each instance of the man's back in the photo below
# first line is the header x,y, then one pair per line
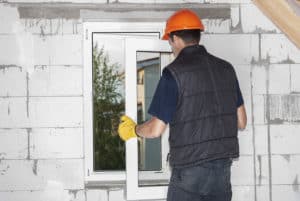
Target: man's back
x,y
204,126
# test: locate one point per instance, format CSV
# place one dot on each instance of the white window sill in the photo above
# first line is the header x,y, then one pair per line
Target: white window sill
x,y
118,179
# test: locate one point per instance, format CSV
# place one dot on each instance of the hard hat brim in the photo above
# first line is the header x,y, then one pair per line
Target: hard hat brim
x,y
165,37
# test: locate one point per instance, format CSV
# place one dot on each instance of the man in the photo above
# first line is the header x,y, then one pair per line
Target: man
x,y
199,97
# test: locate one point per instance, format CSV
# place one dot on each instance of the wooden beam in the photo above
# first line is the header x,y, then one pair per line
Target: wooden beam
x,y
283,15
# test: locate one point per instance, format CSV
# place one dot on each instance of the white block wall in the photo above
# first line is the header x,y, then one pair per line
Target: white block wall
x,y
41,105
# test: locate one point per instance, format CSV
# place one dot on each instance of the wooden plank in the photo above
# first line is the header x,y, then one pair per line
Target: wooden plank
x,y
284,16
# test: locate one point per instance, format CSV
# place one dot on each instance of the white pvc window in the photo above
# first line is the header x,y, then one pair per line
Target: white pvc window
x,y
141,46
136,189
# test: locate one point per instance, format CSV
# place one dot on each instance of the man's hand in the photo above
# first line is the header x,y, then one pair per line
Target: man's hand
x,y
126,128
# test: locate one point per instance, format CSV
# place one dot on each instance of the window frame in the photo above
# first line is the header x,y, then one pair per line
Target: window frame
x,y
104,178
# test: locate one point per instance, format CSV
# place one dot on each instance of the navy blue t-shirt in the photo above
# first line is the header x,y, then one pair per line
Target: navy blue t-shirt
x,y
163,105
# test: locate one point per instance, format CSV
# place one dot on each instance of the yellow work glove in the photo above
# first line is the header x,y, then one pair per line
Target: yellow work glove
x,y
126,128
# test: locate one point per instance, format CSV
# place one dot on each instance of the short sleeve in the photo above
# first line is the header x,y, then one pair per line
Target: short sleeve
x,y
164,102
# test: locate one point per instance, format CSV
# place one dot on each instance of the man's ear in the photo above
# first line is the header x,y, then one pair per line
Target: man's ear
x,y
178,42
175,38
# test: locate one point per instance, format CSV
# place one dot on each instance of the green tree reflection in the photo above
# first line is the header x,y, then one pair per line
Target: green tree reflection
x,y
108,106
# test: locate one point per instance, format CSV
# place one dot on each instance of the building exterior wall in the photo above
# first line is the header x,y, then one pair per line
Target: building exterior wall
x,y
41,99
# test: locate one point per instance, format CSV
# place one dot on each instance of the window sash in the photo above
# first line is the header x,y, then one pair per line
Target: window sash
x,y
133,190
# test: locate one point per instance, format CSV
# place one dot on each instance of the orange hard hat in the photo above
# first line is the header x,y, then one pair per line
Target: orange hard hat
x,y
181,20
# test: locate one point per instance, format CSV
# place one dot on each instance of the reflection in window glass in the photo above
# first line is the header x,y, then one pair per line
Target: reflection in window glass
x,y
109,102
108,106
148,74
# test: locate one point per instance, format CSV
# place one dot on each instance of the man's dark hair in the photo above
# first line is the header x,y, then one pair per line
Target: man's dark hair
x,y
188,36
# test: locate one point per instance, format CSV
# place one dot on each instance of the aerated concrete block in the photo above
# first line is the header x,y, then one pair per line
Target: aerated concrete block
x,y
285,139
10,51
57,1
55,111
56,143
46,194
41,112
13,81
258,80
254,21
9,19
248,107
21,195
295,75
259,109
13,144
245,141
284,108
235,17
56,81
96,195
245,193
47,27
263,193
286,192
19,175
261,139
235,48
242,171
279,79
285,169
228,1
58,50
61,173
160,1
13,112
277,48
116,195
77,195
217,25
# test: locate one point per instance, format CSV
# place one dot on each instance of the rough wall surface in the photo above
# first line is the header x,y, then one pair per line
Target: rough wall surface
x,y
41,99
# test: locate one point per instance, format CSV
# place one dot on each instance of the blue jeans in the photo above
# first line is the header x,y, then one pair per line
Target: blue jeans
x,y
209,181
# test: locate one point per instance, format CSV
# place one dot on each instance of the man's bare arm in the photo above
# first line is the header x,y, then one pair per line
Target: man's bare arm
x,y
151,129
242,117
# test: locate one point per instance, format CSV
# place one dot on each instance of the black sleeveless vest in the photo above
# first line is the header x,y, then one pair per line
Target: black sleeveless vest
x,y
204,126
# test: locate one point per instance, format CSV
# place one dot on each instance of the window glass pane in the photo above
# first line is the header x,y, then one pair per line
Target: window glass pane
x,y
148,74
108,102
109,99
